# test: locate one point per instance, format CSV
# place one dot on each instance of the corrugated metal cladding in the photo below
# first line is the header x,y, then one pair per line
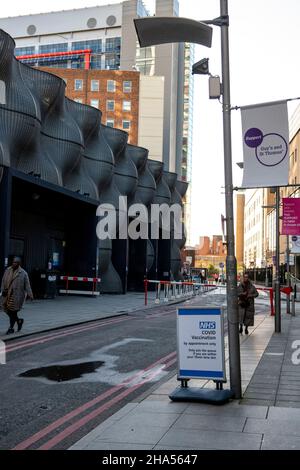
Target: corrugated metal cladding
x,y
57,163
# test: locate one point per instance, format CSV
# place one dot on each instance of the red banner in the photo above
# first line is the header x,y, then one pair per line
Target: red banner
x,y
291,216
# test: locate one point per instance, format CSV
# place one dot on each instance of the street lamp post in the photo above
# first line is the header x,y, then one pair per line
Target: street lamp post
x,y
153,31
231,265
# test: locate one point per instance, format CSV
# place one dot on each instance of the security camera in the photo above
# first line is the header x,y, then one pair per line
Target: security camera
x,y
201,67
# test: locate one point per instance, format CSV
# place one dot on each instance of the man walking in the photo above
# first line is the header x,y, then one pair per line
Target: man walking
x,y
14,288
246,295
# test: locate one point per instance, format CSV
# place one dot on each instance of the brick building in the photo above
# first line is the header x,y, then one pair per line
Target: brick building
x,y
114,92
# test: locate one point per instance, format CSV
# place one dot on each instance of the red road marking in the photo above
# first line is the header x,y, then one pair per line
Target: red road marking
x,y
45,339
81,422
40,434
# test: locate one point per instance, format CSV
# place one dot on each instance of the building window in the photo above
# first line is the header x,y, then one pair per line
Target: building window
x,y
112,62
59,47
111,86
78,84
110,123
24,50
110,105
78,100
127,86
126,105
296,155
113,45
126,125
94,85
95,103
95,45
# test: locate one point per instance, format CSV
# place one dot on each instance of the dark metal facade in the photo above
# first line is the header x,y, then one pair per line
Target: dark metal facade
x,y
58,162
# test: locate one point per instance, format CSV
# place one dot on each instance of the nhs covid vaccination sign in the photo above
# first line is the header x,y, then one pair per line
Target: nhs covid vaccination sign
x,y
265,145
200,341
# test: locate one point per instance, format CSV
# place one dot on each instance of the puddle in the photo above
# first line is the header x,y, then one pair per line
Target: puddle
x,y
63,373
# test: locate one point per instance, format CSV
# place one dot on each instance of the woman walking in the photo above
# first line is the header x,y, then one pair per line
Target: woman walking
x,y
14,288
246,295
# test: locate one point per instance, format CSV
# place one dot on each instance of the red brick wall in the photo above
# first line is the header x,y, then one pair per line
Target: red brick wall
x,y
69,75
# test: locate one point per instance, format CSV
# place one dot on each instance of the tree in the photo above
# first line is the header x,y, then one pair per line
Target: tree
x,y
212,270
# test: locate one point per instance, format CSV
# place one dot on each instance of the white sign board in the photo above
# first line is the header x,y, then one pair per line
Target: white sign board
x,y
200,343
265,145
295,244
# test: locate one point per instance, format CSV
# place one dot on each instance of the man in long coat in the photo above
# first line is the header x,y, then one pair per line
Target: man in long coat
x,y
14,288
246,295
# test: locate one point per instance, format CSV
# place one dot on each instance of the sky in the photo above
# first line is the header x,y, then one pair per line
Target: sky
x,y
264,66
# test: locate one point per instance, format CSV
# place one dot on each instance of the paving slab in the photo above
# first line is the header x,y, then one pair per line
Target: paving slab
x,y
281,442
210,422
218,440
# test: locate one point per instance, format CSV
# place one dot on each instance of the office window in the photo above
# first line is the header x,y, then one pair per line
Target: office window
x,y
113,44
29,50
95,45
78,84
127,86
110,105
111,86
110,122
94,85
59,47
112,62
126,125
78,100
94,103
126,105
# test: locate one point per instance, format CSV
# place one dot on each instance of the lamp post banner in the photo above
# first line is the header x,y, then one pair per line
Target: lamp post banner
x,y
291,216
265,145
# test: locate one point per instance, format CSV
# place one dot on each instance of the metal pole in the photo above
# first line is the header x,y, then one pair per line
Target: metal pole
x,y
277,264
288,305
231,264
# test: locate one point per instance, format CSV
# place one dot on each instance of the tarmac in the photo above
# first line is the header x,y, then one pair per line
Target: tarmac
x,y
266,418
42,314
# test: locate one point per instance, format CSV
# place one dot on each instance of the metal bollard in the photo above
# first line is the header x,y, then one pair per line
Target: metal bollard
x,y
173,289
293,306
166,292
157,300
288,303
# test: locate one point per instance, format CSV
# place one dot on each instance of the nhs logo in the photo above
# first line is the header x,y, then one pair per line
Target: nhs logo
x,y
207,325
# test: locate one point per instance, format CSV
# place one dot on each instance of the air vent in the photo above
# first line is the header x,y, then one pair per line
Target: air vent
x,y
31,29
91,23
111,20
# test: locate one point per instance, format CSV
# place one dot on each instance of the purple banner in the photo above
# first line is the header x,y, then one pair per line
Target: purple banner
x,y
291,216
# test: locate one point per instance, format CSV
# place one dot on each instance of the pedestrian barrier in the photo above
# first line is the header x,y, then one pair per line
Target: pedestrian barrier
x,y
271,296
94,280
285,290
171,290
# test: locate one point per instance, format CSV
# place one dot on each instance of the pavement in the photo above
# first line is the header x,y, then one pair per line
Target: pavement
x,y
266,418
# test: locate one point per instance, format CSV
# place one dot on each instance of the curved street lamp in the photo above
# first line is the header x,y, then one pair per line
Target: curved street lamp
x,y
152,31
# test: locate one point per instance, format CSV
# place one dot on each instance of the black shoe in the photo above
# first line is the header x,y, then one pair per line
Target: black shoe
x,y
20,324
246,331
241,329
10,331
